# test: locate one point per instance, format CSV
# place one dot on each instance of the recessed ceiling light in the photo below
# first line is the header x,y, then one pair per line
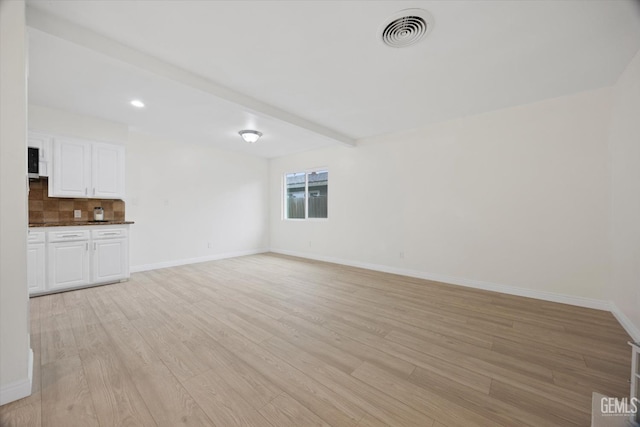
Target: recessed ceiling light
x,y
137,103
250,136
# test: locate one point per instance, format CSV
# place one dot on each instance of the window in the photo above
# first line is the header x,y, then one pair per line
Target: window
x,y
306,194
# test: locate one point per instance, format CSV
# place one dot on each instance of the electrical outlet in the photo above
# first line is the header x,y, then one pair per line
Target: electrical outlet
x,y
209,245
402,255
77,213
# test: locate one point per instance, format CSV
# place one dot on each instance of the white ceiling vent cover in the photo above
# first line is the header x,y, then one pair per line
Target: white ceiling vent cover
x,y
406,27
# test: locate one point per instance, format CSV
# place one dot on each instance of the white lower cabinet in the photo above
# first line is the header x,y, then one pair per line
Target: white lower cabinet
x,y
68,264
73,257
36,262
110,255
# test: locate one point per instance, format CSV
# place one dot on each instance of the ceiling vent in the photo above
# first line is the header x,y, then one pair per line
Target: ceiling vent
x,y
406,28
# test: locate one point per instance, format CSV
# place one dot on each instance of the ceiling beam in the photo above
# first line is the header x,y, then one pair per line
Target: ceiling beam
x,y
90,39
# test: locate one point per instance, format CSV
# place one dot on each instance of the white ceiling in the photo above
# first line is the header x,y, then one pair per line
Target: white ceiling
x,y
70,77
320,62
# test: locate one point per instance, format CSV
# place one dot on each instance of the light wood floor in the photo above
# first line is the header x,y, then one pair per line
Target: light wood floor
x,y
269,340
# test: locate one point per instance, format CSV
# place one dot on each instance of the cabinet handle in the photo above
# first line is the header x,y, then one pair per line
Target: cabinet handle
x,y
94,191
86,191
115,233
87,246
94,246
71,235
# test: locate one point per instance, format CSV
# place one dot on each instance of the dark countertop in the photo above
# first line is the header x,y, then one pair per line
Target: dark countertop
x,y
76,223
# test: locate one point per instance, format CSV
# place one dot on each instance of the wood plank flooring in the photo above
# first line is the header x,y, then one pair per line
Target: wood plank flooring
x,y
270,340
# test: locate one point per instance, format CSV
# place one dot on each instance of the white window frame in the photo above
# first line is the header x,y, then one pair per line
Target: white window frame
x,y
283,196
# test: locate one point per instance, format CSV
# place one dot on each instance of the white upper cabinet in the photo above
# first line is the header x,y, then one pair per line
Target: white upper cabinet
x,y
107,171
86,169
71,168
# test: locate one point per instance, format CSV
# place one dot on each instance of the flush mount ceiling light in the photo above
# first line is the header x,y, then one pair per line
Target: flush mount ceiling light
x,y
250,136
406,27
137,103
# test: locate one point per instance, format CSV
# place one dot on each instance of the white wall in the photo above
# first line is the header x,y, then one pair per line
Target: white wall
x,y
516,197
59,122
624,141
185,196
14,301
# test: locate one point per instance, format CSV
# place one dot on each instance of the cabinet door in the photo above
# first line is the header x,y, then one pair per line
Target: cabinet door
x,y
71,174
36,267
68,264
107,171
110,260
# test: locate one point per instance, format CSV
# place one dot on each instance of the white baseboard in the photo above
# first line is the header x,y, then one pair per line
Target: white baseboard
x,y
18,389
626,323
470,283
175,263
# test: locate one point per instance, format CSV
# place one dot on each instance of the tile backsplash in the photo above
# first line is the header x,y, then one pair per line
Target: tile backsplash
x,y
43,208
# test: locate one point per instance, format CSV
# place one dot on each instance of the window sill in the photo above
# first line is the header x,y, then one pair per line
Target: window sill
x,y
306,219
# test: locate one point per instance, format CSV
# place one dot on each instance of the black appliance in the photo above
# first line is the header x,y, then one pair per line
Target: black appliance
x,y
33,162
